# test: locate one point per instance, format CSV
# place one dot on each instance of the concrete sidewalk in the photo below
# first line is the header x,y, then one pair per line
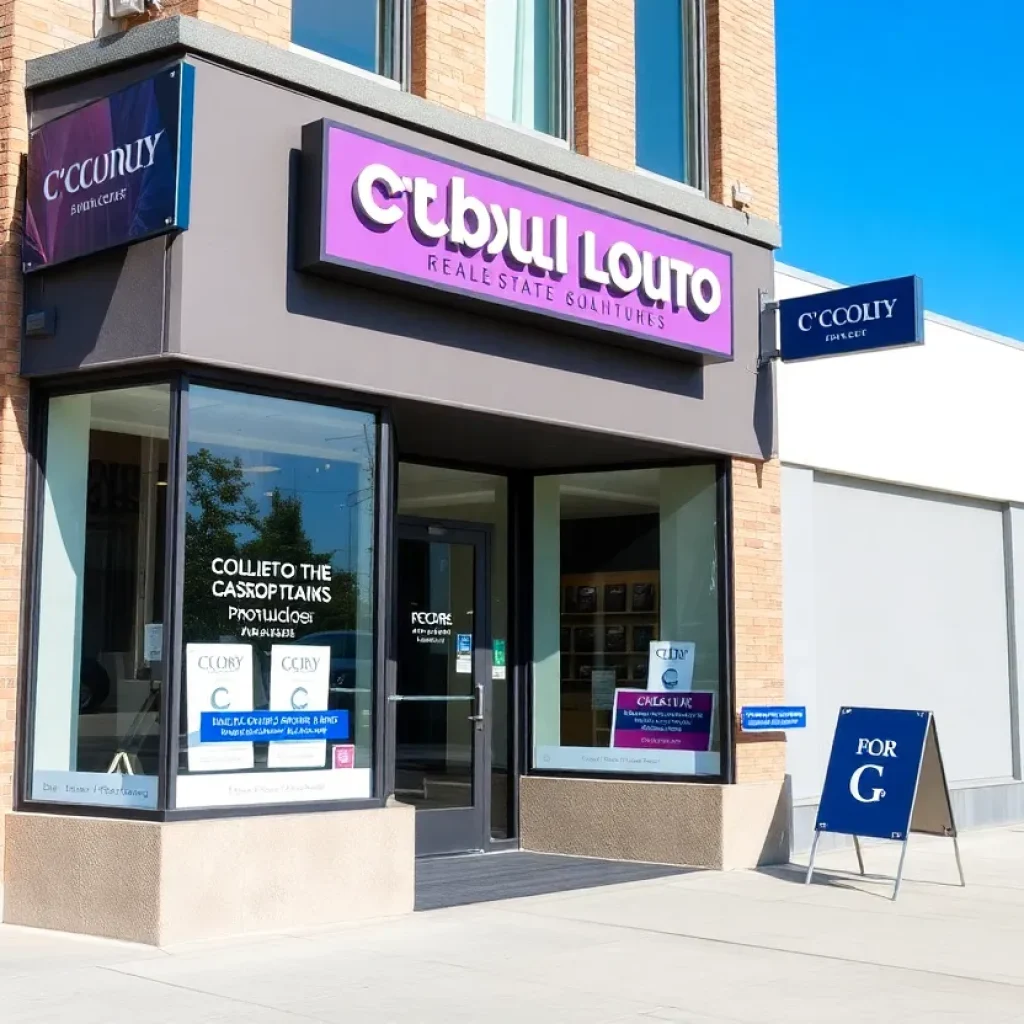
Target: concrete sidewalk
x,y
701,947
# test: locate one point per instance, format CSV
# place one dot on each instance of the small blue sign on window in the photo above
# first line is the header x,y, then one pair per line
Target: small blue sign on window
x,y
864,318
272,726
464,643
772,719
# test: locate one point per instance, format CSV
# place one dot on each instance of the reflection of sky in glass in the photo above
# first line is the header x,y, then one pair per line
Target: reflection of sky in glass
x,y
320,455
331,496
520,49
660,117
343,29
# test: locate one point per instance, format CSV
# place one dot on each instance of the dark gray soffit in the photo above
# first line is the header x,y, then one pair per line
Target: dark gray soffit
x,y
310,75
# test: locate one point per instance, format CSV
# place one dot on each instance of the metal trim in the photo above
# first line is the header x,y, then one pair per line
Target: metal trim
x,y
171,618
176,479
28,630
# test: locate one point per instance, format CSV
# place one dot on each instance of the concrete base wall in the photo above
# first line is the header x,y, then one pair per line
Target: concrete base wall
x,y
162,883
983,806
691,824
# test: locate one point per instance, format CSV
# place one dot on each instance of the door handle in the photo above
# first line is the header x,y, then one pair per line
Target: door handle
x,y
478,706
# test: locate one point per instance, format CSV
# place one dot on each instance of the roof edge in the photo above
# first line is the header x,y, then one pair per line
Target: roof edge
x,y
307,74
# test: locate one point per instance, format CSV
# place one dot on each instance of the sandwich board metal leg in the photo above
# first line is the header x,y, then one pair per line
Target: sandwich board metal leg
x,y
959,865
810,866
899,871
860,857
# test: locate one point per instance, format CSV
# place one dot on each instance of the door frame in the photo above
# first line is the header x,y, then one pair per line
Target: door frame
x,y
438,830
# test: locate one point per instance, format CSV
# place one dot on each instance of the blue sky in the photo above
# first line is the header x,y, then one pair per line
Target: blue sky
x,y
901,140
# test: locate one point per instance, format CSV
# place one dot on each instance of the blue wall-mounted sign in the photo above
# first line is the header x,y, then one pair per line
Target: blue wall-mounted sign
x,y
111,172
772,719
864,318
272,726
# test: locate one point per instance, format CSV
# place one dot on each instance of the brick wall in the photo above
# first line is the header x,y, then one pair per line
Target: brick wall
x,y
757,610
448,53
266,20
741,102
28,28
605,93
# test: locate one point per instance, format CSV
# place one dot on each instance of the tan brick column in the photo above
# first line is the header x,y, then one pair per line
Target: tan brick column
x,y
757,610
266,20
28,28
605,88
448,53
741,102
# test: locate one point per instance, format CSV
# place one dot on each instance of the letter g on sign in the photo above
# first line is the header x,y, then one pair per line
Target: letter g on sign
x,y
855,790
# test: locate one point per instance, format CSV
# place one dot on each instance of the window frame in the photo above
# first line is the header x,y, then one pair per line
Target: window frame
x,y
563,106
726,636
396,53
179,382
28,677
178,693
694,89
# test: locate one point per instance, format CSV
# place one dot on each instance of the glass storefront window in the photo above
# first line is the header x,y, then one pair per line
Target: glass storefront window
x,y
277,664
99,647
627,659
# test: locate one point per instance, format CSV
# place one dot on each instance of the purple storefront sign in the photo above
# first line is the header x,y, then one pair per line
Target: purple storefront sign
x,y
387,210
646,720
112,172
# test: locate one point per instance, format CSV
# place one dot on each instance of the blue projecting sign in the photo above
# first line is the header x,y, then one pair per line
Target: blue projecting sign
x,y
772,719
272,726
864,318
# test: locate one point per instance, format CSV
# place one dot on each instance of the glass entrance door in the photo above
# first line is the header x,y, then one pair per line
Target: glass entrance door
x,y
440,699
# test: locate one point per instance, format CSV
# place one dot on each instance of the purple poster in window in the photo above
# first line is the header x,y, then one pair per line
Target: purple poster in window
x,y
646,720
384,209
112,172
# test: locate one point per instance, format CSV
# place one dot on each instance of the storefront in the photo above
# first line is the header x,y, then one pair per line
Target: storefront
x,y
362,493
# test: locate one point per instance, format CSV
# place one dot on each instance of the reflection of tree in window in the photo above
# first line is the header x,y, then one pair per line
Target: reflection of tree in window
x,y
223,521
218,506
283,538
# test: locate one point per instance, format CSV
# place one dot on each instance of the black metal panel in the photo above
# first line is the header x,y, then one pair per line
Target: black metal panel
x,y
108,308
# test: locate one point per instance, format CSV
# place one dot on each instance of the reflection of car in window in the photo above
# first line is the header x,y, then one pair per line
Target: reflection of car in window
x,y
350,650
351,672
94,685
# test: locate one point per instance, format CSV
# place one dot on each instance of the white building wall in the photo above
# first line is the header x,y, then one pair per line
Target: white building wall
x,y
947,415
903,551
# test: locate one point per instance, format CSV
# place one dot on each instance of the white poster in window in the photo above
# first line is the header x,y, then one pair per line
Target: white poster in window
x,y
299,681
219,679
153,641
602,689
670,666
